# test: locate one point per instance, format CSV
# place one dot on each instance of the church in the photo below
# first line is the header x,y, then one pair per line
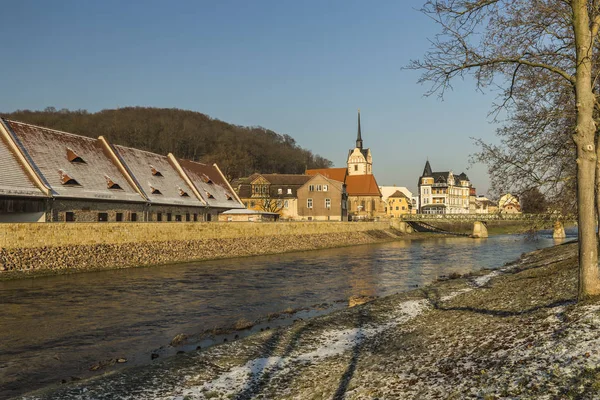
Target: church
x,y
364,196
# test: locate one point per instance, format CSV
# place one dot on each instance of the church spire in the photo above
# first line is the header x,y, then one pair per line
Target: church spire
x,y
359,142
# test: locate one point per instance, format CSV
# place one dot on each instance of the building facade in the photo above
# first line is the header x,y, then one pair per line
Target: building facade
x,y
322,199
55,176
276,193
443,192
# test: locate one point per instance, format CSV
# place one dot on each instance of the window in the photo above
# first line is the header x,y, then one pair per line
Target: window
x,y
356,167
73,157
155,190
319,188
325,188
310,218
183,193
210,196
195,217
102,217
279,191
289,191
169,217
188,217
311,188
327,203
69,216
309,203
252,204
155,172
133,217
112,185
178,218
119,217
67,180
397,208
286,204
159,217
208,217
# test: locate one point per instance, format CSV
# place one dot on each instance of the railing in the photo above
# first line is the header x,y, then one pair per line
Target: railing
x,y
488,217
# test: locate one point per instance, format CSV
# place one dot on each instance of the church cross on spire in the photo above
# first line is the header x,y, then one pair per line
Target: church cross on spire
x,y
359,142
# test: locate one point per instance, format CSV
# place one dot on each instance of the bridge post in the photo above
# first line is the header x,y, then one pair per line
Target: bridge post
x,y
559,231
402,226
479,230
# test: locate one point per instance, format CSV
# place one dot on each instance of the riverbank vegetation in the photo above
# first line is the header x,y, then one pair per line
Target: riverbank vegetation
x,y
515,332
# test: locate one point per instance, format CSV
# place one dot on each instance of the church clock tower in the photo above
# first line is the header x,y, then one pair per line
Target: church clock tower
x,y
360,161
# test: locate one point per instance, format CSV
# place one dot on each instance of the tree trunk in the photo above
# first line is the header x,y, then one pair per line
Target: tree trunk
x,y
584,137
598,184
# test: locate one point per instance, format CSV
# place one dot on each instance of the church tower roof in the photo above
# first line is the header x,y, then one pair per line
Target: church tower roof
x,y
359,142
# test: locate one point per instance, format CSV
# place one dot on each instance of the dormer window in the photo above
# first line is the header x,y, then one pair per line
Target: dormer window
x,y
229,197
206,179
155,172
73,157
183,193
67,180
112,185
210,196
155,190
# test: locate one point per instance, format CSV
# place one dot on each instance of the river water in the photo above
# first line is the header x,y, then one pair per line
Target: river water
x,y
55,328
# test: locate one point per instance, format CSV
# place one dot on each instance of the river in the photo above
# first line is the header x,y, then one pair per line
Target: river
x,y
56,328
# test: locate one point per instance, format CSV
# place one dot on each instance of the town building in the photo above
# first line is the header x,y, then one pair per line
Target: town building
x,y
360,161
209,184
398,204
387,191
246,215
364,198
509,204
276,193
443,192
322,198
53,176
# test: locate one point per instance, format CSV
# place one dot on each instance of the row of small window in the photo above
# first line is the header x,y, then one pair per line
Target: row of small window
x,y
133,217
397,208
319,188
309,203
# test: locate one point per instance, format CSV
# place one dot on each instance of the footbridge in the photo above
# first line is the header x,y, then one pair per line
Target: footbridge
x,y
480,221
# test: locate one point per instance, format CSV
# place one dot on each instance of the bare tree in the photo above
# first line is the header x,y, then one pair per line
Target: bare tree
x,y
504,44
270,204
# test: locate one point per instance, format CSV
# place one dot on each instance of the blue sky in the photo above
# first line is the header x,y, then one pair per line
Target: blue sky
x,y
297,67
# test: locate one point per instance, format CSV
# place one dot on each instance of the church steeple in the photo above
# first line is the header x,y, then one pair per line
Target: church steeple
x,y
359,142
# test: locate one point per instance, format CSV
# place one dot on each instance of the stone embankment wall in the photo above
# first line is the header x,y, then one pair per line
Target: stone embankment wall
x,y
64,246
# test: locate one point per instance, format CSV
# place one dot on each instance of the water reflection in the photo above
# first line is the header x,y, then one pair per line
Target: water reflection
x,y
56,327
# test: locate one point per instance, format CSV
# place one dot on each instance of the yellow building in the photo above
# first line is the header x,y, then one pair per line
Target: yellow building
x,y
398,204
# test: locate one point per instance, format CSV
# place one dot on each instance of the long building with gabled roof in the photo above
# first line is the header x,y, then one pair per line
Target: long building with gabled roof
x,y
50,175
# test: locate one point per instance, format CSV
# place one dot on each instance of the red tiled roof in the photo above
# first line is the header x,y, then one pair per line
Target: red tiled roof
x,y
337,174
362,185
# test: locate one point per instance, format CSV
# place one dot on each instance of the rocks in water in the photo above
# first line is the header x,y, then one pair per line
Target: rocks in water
x,y
180,352
179,340
121,360
237,337
154,356
198,347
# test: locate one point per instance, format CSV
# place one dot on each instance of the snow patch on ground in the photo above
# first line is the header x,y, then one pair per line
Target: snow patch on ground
x,y
332,343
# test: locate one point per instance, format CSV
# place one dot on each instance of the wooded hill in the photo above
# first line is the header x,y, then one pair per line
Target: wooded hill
x,y
239,151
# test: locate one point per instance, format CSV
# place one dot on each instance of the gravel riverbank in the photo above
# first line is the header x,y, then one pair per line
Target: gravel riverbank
x,y
515,332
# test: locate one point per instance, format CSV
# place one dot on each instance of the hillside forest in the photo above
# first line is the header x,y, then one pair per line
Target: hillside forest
x,y
238,150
